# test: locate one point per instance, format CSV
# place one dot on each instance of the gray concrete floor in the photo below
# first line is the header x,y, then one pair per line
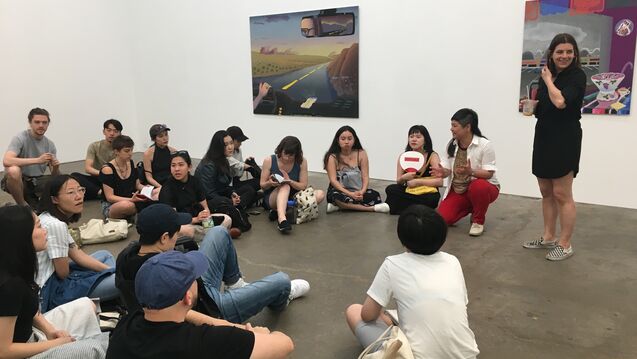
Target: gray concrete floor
x,y
520,304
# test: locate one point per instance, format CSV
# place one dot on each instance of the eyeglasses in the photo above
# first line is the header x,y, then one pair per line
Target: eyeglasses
x,y
75,192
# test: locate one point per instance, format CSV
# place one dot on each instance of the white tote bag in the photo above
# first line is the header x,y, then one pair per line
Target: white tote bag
x,y
99,231
393,345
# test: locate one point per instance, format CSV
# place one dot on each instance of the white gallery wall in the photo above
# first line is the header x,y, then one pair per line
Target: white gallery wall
x,y
73,59
187,64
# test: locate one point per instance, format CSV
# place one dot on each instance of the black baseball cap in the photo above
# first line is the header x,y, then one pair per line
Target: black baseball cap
x,y
158,219
236,133
155,130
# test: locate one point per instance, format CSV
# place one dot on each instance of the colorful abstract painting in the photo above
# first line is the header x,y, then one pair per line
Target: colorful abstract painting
x,y
605,33
306,63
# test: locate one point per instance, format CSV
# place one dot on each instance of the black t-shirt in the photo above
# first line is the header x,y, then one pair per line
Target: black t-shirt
x,y
572,84
135,337
18,299
123,187
185,197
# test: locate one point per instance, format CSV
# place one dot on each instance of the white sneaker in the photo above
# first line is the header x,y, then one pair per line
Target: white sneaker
x,y
476,229
298,288
332,208
381,208
238,284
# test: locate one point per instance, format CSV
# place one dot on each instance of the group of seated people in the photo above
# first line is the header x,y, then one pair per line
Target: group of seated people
x,y
56,275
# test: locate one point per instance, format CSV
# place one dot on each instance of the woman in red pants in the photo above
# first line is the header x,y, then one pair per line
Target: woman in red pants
x,y
470,165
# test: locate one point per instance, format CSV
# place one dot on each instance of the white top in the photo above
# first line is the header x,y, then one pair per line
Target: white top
x,y
59,241
481,154
432,303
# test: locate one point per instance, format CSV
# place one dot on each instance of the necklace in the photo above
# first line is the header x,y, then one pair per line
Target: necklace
x,y
124,171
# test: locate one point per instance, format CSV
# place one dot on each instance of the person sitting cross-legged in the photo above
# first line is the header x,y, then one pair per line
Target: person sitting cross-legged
x,y
428,287
166,286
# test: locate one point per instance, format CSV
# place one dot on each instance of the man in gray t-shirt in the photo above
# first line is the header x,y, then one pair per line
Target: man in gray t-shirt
x,y
28,156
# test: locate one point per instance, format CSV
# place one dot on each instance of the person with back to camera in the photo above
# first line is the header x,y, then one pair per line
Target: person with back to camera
x,y
28,156
166,286
428,287
157,157
97,155
120,183
68,331
248,165
288,163
65,272
398,195
470,161
347,168
558,142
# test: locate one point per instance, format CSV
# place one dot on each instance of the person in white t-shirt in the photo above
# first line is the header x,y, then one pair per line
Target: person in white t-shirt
x,y
428,287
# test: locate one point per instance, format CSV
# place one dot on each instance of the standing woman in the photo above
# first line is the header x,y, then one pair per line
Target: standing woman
x,y
398,194
22,235
289,163
348,171
470,161
558,142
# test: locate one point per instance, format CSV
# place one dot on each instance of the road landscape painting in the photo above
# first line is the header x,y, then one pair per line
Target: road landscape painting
x,y
306,63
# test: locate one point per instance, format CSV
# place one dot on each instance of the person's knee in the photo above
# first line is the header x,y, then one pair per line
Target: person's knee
x,y
561,195
320,195
353,311
14,172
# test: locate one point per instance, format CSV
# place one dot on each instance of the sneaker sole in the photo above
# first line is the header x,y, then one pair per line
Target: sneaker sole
x,y
555,259
551,246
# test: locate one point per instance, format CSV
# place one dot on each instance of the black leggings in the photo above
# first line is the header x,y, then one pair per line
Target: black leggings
x,y
398,200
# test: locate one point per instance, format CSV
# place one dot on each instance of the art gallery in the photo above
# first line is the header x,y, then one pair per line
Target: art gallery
x,y
192,65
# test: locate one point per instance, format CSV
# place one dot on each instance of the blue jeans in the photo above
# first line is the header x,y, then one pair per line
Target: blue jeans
x,y
105,289
239,304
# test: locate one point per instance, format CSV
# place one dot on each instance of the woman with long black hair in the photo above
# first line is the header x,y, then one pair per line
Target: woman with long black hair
x,y
404,192
216,175
22,235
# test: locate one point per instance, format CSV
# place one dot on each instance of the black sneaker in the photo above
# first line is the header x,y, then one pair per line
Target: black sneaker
x,y
272,216
284,226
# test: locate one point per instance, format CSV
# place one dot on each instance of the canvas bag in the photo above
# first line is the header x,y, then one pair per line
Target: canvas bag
x,y
99,231
393,345
306,205
418,190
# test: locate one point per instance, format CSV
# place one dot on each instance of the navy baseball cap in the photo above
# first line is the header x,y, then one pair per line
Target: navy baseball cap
x,y
164,279
158,219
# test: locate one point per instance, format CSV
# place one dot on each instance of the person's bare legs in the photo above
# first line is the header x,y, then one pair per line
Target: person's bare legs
x,y
549,208
123,209
320,195
15,185
563,194
279,201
